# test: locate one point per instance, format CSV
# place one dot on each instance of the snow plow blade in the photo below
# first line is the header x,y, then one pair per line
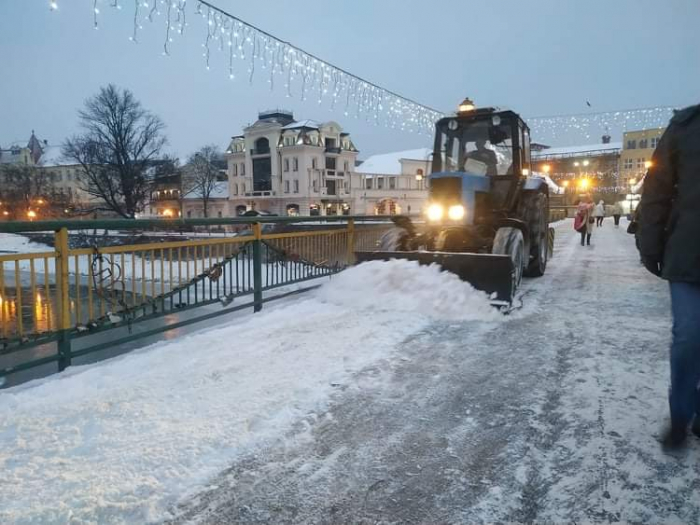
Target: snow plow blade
x,y
492,274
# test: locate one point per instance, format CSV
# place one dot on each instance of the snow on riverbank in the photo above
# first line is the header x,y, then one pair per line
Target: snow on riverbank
x,y
124,440
11,243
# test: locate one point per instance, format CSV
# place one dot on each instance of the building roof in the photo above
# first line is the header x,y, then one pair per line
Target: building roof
x,y
311,124
579,151
53,157
220,191
390,163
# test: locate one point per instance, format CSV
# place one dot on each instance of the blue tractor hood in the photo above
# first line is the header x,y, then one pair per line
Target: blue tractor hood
x,y
470,185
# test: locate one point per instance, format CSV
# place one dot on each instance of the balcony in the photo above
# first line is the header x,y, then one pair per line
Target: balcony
x,y
260,151
333,149
260,194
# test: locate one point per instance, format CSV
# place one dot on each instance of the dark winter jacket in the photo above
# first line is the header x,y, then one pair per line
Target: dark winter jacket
x,y
670,208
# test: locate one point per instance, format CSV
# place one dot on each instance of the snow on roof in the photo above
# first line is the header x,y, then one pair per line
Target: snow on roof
x,y
220,191
390,163
553,187
593,149
52,156
308,123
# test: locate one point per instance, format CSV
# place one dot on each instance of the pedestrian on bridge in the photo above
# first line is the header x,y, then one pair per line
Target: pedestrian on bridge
x,y
617,213
584,222
599,213
670,248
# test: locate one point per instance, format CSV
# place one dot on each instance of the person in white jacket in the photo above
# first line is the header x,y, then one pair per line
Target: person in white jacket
x,y
618,210
599,213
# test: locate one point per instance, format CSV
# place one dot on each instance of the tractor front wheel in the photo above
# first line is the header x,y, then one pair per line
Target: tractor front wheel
x,y
394,240
509,241
539,253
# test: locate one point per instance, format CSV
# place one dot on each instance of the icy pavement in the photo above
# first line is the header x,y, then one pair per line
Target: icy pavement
x,y
377,399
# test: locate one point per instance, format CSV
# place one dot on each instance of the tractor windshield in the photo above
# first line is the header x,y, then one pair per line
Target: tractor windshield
x,y
477,147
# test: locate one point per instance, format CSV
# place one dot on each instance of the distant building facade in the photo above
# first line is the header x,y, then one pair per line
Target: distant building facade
x,y
637,149
288,167
596,164
392,183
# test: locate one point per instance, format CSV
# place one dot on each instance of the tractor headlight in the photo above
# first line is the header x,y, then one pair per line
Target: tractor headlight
x,y
435,212
456,213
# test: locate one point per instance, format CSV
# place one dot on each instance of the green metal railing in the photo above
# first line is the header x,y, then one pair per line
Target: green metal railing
x,y
58,297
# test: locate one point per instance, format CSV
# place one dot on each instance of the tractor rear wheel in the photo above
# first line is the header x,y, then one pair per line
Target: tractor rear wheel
x,y
509,241
539,226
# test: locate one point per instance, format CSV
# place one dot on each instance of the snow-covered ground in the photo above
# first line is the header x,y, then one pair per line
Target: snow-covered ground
x,y
134,435
392,394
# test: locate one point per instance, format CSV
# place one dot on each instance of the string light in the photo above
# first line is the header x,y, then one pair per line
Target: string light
x,y
304,74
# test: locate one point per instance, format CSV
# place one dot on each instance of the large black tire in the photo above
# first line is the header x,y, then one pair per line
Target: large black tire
x,y
509,241
394,240
538,221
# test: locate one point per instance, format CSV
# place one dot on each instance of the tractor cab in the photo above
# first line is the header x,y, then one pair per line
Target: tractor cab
x,y
480,150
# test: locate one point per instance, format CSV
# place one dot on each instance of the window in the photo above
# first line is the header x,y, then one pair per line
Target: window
x,y
315,186
640,163
368,184
286,186
631,144
235,189
629,164
655,142
330,163
392,183
419,172
295,164
380,183
243,188
296,186
314,163
262,146
643,144
346,166
234,171
314,140
286,165
243,169
189,214
219,214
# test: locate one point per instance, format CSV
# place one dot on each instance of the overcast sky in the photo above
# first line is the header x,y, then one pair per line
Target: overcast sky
x,y
539,57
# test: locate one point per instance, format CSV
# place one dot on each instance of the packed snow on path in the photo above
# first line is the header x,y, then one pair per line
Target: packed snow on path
x,y
125,440
551,417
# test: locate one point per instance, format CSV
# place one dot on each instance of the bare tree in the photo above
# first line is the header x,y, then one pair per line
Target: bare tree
x,y
201,173
25,189
120,140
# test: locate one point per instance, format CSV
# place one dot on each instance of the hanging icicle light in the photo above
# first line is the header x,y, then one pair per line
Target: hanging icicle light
x,y
304,75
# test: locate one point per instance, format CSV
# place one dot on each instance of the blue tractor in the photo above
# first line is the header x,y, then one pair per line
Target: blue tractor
x,y
487,219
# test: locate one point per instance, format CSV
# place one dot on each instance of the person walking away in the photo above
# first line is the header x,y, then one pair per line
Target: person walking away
x,y
599,213
584,222
617,213
670,248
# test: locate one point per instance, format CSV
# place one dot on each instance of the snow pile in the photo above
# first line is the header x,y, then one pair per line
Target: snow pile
x,y
11,243
405,286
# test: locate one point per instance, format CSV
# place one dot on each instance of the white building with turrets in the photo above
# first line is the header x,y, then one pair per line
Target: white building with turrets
x,y
288,167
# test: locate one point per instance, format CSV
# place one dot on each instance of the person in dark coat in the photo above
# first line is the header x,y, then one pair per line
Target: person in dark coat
x,y
669,236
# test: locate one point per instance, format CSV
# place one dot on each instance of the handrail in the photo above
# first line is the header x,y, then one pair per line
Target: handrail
x,y
140,224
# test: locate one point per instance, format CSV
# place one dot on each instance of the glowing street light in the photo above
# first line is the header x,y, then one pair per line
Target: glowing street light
x,y
583,184
546,168
586,162
31,214
648,164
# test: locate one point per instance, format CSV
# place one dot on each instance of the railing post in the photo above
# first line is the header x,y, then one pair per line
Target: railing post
x,y
257,267
351,241
63,289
